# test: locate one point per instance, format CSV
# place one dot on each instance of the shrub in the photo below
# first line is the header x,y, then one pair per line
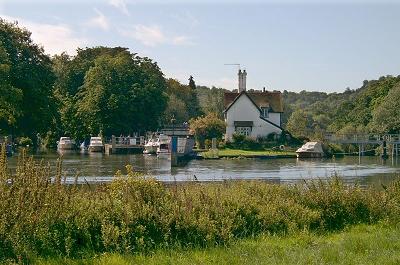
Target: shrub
x,y
245,143
25,141
40,216
207,127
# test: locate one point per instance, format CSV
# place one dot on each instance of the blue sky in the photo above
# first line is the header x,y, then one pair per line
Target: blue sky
x,y
292,45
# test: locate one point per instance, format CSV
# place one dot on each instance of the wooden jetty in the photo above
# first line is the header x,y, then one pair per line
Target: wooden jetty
x,y
124,145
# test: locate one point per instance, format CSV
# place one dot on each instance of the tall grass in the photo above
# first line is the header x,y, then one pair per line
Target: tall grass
x,y
41,217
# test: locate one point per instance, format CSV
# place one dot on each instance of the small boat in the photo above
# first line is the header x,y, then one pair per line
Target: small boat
x,y
96,144
163,144
65,143
310,150
151,146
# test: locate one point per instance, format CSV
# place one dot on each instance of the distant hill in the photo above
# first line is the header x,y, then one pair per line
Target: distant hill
x,y
370,108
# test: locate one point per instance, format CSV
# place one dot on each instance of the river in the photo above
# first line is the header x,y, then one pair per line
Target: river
x,y
97,167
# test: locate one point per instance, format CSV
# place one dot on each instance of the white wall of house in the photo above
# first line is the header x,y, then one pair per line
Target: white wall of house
x,y
244,110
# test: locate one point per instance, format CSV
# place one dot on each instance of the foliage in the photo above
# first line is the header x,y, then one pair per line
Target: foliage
x,y
369,109
42,217
211,100
386,116
207,127
299,123
25,141
10,97
109,91
245,143
183,102
27,105
362,244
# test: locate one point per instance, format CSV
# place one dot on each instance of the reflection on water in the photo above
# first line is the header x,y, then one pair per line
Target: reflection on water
x,y
100,167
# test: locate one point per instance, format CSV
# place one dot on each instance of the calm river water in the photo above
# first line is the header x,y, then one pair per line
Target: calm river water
x,y
97,167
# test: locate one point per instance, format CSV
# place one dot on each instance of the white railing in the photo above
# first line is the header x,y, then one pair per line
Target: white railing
x,y
363,138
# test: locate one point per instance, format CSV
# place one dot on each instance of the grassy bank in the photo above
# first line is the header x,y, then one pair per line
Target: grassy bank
x,y
363,244
42,218
237,153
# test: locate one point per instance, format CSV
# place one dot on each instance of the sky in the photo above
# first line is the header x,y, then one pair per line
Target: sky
x,y
283,45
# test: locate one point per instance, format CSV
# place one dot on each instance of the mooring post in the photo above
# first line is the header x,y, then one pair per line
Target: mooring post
x,y
174,151
384,155
113,142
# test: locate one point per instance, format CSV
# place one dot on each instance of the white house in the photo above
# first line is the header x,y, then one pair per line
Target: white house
x,y
252,113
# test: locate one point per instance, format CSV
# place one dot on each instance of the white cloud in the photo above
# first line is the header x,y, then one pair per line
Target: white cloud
x,y
99,21
186,19
182,40
153,35
55,38
120,5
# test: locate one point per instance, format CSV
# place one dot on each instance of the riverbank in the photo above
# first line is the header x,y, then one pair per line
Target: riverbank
x,y
42,218
362,244
237,153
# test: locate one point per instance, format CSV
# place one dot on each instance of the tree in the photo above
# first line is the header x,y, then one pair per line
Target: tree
x,y
194,109
386,117
207,127
109,91
176,108
299,124
30,78
10,97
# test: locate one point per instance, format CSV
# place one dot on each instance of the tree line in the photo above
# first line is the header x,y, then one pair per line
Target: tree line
x,y
111,90
99,91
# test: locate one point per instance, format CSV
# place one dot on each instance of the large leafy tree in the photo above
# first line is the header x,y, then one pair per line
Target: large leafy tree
x,y
109,91
10,97
26,83
300,124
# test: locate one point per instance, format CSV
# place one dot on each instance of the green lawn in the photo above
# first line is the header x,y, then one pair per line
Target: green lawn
x,y
363,244
246,153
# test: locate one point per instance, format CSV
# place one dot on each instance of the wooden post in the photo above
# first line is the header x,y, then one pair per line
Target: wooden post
x,y
174,151
113,143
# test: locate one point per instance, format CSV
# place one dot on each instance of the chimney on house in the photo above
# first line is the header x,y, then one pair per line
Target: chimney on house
x,y
242,80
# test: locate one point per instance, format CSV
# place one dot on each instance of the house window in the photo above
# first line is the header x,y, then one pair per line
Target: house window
x,y
243,130
265,112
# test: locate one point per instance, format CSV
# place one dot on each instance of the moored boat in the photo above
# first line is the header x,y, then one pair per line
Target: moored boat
x,y
96,144
310,150
151,146
163,144
65,143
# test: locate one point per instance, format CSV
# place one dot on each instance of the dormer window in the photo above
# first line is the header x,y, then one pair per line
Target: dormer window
x,y
264,112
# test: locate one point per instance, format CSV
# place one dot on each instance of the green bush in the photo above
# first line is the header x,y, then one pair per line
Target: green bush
x,y
25,141
42,217
245,143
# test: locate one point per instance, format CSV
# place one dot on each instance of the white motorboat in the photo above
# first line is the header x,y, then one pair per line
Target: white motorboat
x,y
65,143
96,144
163,144
310,150
151,146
